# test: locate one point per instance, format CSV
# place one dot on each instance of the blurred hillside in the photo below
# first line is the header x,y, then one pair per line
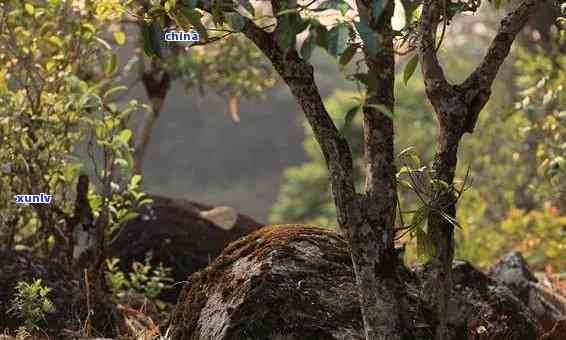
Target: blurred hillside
x,y
198,152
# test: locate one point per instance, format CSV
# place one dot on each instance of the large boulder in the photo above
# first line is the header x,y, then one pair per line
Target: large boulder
x,y
181,234
297,282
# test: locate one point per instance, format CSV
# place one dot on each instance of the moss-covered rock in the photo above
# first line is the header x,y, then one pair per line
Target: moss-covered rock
x,y
297,282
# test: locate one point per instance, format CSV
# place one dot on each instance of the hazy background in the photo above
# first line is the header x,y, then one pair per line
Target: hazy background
x,y
198,152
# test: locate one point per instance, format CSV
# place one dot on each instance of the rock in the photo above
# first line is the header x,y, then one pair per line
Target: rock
x,y
180,234
476,299
16,266
558,332
512,271
297,282
224,217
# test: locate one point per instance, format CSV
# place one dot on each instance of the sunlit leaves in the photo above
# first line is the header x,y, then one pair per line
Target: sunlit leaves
x,y
112,65
60,100
107,10
120,37
29,8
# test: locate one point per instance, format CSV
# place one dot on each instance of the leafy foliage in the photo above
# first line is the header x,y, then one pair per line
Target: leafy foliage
x,y
59,118
144,279
518,197
31,303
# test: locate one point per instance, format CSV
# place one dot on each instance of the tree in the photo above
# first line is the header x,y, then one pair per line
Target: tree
x,y
224,68
368,218
305,194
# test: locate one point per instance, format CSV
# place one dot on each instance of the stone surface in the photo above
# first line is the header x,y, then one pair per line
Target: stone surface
x,y
297,282
512,271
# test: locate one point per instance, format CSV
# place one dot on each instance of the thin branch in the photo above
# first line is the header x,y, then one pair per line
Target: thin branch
x,y
432,70
298,74
478,84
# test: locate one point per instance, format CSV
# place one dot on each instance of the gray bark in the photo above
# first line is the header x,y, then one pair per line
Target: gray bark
x,y
457,108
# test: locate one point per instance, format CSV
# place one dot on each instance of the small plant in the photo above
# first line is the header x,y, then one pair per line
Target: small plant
x,y
144,279
31,303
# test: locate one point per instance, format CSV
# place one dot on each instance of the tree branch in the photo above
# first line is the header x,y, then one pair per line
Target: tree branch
x,y
435,80
298,74
478,85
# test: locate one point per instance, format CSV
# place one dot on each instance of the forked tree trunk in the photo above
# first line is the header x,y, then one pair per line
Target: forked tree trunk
x,y
367,220
457,108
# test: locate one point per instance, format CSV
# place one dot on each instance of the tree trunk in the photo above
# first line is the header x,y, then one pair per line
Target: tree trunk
x,y
457,108
441,230
370,244
156,82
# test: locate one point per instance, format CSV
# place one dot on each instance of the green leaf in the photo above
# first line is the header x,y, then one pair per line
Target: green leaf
x,y
55,40
112,65
236,21
29,8
348,54
192,17
410,68
124,136
368,37
425,246
285,38
120,37
349,118
114,90
151,39
383,109
287,28
419,217
156,11
248,6
307,47
127,217
337,39
135,181
217,14
320,32
377,7
339,5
